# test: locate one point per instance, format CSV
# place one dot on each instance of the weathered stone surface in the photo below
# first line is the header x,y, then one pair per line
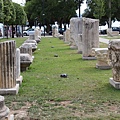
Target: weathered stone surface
x,y
75,29
37,35
8,67
80,45
19,78
26,48
31,41
25,61
114,55
112,33
61,37
90,37
55,31
4,111
34,46
102,58
67,35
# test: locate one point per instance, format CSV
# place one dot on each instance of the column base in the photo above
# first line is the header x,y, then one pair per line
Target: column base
x,y
10,91
114,83
88,58
19,80
10,117
103,67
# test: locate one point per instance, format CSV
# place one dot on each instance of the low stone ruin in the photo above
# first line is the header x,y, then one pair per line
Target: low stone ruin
x,y
102,58
26,57
114,55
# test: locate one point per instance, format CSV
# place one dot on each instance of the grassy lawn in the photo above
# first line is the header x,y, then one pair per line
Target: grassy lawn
x,y
84,95
109,37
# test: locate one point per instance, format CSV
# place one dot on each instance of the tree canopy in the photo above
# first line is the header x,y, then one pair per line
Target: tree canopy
x,y
1,11
49,11
105,10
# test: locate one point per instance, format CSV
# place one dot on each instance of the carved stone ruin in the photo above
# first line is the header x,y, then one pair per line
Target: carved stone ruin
x,y
102,58
55,31
75,29
34,46
114,54
4,111
30,41
67,36
90,37
112,33
26,57
19,78
8,68
80,45
26,48
25,61
37,35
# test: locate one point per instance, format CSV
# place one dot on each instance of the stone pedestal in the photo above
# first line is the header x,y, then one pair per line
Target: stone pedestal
x,y
4,111
114,55
34,46
25,61
19,78
67,36
102,58
75,29
8,68
90,37
26,48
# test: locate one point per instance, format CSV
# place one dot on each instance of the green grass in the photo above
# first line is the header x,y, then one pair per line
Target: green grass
x,y
84,95
109,37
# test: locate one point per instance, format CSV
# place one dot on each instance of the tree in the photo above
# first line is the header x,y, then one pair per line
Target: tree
x,y
1,11
48,11
108,10
9,14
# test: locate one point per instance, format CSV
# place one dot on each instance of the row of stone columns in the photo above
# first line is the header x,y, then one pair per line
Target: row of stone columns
x,y
83,35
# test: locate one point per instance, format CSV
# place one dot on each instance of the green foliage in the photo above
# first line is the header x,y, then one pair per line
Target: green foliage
x,y
1,11
100,9
9,12
49,11
20,14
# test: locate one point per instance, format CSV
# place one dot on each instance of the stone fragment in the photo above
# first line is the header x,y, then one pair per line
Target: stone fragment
x,y
25,61
90,37
102,58
114,55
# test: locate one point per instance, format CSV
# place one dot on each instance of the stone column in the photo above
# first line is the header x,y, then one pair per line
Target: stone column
x,y
90,37
67,36
102,58
75,29
80,45
4,111
19,78
8,68
37,35
114,54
